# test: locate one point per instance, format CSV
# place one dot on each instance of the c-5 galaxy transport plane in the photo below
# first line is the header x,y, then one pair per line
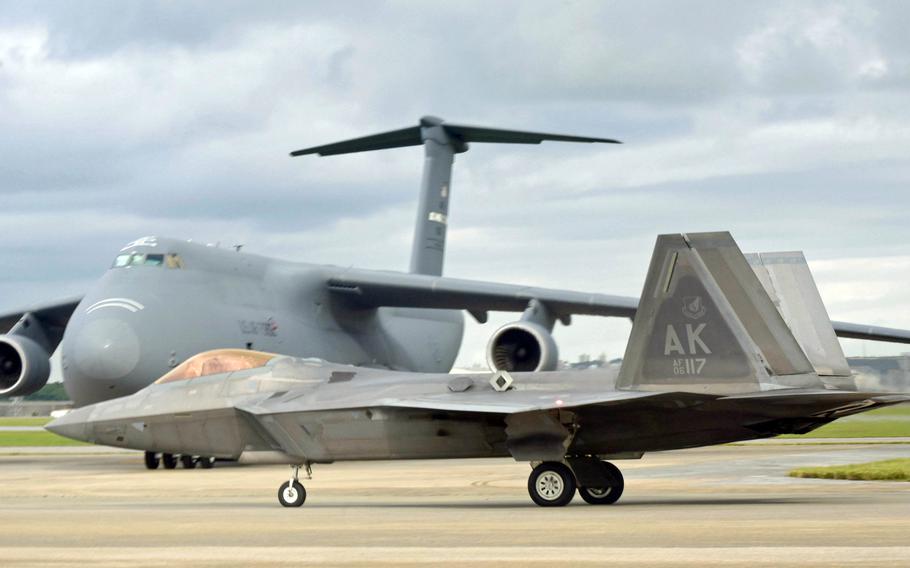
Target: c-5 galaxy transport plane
x,y
164,300
722,349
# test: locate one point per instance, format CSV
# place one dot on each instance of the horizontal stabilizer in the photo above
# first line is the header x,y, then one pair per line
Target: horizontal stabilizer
x,y
392,139
458,134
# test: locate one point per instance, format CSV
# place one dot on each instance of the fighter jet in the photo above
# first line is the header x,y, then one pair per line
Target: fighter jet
x,y
723,348
164,300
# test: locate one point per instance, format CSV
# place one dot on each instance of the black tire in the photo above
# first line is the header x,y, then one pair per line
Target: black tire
x,y
188,462
206,462
551,484
169,461
151,460
291,495
605,495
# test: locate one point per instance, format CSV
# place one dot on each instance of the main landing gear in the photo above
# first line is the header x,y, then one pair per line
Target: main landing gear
x,y
553,484
292,493
170,461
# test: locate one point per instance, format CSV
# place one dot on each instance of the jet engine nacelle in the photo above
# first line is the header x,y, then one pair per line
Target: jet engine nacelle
x,y
24,366
522,346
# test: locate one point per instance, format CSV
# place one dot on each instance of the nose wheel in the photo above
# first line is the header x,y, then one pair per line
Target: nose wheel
x,y
292,493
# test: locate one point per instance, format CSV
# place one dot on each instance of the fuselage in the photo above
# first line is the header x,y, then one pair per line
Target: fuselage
x,y
164,300
249,405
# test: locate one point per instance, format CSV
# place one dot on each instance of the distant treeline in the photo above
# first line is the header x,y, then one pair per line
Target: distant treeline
x,y
50,391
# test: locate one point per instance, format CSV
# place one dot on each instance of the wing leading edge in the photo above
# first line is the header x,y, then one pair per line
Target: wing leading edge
x,y
52,317
374,289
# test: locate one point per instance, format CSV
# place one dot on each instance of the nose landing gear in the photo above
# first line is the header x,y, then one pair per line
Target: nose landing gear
x,y
292,493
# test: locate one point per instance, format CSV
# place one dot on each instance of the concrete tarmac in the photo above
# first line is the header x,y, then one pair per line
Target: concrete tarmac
x,y
723,506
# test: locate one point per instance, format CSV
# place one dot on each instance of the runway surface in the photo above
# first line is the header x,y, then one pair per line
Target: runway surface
x,y
726,506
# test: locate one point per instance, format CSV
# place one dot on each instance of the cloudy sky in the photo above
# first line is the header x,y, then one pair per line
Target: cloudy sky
x,y
786,123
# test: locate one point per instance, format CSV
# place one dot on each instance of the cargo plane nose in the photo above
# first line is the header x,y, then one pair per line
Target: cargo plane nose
x,y
106,349
102,355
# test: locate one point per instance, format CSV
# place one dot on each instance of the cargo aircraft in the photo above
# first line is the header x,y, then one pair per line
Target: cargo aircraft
x,y
164,300
723,348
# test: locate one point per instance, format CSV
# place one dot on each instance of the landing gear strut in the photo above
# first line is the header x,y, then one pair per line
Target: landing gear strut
x,y
292,493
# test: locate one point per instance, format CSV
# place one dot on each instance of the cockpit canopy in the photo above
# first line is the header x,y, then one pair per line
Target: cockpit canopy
x,y
216,362
169,260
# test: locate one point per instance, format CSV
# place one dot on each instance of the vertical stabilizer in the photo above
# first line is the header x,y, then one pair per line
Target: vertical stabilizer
x,y
789,283
428,250
441,141
706,324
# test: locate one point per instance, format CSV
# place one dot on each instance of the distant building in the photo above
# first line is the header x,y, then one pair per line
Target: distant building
x,y
882,373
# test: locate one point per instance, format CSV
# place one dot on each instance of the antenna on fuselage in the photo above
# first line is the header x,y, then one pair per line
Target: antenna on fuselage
x,y
441,141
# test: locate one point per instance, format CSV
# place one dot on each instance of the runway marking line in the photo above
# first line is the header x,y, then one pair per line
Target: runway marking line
x,y
744,555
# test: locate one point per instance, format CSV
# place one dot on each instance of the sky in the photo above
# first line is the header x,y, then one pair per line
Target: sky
x,y
785,123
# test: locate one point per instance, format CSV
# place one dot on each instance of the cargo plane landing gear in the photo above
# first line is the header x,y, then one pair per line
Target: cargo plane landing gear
x,y
553,484
292,493
170,461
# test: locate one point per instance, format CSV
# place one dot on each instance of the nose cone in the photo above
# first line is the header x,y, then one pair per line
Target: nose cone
x,y
106,349
73,424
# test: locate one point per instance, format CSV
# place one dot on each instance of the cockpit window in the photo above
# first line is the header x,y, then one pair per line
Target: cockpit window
x,y
170,260
215,362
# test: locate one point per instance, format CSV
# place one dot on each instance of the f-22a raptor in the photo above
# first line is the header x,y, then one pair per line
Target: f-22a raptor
x,y
723,348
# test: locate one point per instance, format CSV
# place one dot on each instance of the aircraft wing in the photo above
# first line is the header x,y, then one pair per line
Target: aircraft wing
x,y
53,318
375,289
393,289
514,402
479,401
875,333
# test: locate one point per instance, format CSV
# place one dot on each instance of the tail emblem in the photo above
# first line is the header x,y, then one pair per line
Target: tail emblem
x,y
693,307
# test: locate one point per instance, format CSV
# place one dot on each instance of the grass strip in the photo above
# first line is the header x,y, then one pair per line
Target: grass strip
x,y
24,420
21,439
888,422
887,470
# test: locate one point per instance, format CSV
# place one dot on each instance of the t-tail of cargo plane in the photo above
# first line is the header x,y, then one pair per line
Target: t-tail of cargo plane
x,y
441,141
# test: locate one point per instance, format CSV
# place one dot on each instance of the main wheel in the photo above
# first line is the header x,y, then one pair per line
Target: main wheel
x,y
189,462
605,495
151,460
169,461
206,462
551,484
291,494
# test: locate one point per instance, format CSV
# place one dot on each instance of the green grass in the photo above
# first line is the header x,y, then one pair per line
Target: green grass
x,y
887,470
21,439
890,422
24,421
